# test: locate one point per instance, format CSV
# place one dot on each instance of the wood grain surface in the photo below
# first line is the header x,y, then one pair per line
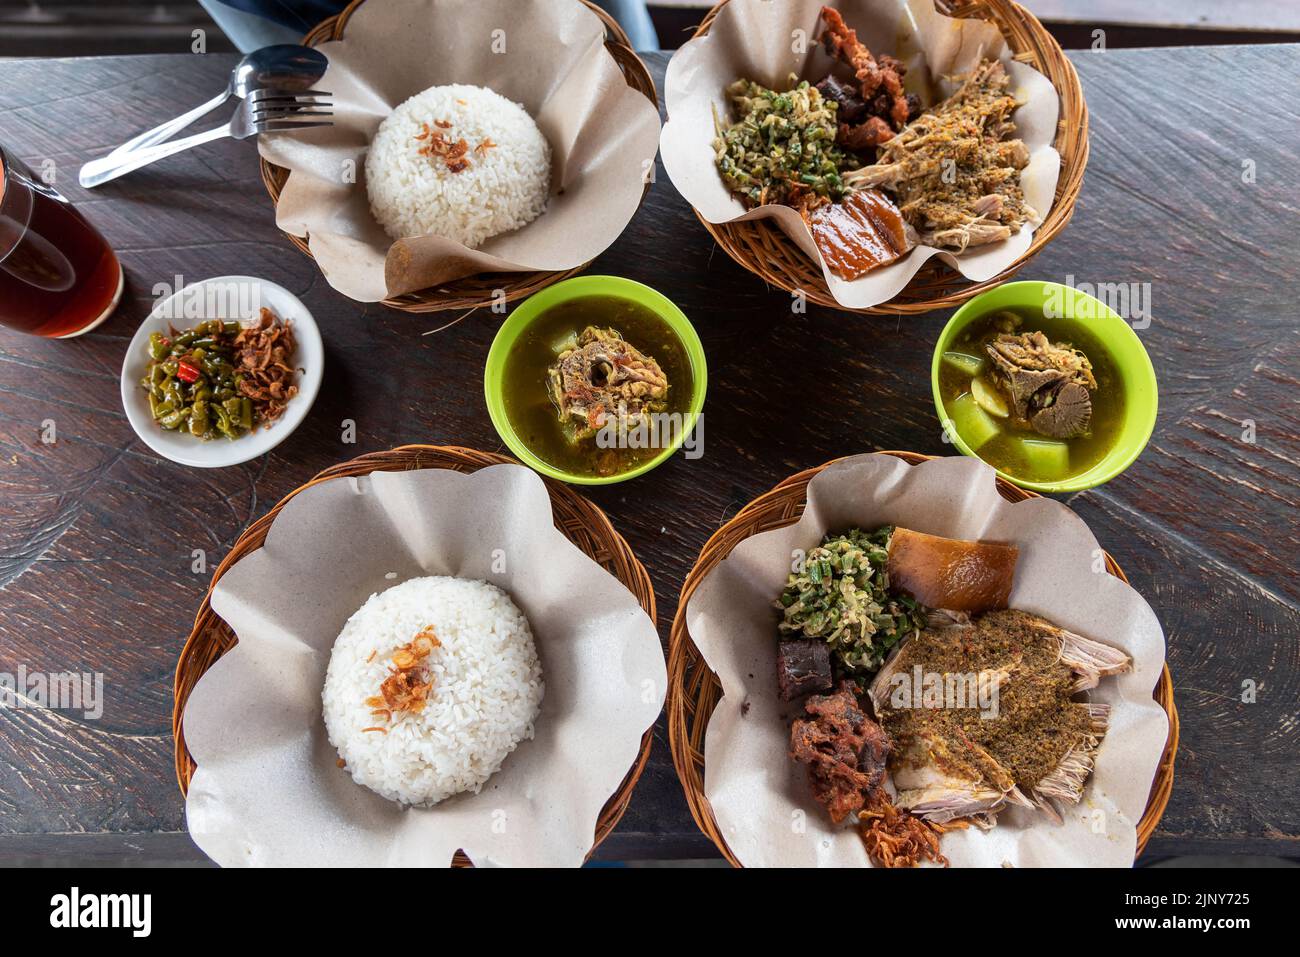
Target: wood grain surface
x,y
98,535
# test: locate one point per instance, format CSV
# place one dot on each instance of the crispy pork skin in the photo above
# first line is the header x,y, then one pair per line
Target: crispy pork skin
x,y
952,574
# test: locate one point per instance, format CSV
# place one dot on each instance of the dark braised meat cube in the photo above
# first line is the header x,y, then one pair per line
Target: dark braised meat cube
x,y
883,105
844,749
913,107
803,667
851,107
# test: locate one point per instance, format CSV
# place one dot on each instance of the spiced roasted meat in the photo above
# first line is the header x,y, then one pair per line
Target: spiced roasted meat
x,y
803,667
845,751
876,106
1032,746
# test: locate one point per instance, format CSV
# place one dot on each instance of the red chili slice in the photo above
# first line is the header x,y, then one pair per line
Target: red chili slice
x,y
187,371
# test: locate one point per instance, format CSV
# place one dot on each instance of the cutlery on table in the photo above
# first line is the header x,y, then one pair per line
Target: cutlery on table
x,y
264,111
286,66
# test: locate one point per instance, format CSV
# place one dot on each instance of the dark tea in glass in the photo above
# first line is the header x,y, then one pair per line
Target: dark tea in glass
x,y
58,276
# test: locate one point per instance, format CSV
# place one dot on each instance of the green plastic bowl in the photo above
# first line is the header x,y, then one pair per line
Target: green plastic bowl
x,y
580,288
1122,345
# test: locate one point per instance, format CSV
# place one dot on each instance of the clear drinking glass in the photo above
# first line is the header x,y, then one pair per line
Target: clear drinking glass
x,y
58,275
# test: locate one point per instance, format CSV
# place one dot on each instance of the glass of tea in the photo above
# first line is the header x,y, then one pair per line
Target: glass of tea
x,y
58,276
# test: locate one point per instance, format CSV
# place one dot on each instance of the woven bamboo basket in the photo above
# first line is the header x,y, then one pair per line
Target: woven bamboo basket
x,y
581,522
762,248
693,690
471,292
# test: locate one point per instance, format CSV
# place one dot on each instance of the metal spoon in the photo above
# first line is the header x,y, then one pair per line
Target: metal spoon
x,y
287,66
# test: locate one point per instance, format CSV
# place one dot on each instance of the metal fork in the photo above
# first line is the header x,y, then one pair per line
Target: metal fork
x,y
265,111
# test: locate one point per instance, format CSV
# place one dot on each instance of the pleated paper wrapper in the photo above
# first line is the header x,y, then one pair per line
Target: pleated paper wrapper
x,y
268,790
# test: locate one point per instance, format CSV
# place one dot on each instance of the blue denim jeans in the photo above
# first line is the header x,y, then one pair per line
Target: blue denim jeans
x,y
257,23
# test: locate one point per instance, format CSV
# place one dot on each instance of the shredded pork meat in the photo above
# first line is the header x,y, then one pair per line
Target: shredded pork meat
x,y
955,170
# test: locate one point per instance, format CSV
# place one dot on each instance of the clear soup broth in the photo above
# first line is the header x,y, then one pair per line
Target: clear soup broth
x,y
532,411
1009,443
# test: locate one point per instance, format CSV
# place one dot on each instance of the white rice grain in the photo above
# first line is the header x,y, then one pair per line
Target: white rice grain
x,y
487,689
504,187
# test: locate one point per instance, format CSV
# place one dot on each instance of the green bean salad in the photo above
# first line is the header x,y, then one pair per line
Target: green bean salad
x,y
841,594
781,149
220,379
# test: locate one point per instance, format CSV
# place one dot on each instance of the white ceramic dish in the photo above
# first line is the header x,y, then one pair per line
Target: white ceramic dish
x,y
223,297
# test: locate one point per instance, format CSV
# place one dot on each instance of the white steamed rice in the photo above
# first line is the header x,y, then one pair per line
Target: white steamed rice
x,y
505,187
487,689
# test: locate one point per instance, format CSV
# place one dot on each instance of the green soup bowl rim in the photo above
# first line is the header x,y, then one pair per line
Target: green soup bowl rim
x,y
581,287
1122,346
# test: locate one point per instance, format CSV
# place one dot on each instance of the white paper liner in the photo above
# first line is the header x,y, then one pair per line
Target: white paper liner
x,y
268,790
548,55
765,41
762,799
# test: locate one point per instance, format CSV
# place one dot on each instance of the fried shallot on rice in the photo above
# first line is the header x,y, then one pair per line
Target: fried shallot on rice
x,y
407,687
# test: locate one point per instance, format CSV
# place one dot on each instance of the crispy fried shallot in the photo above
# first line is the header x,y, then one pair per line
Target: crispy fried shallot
x,y
264,356
453,152
895,838
407,687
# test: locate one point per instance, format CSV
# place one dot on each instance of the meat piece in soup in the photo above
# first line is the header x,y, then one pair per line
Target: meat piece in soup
x,y
1034,396
1050,384
604,375
596,386
803,667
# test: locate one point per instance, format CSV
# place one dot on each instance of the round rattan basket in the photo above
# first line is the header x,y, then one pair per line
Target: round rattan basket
x,y
483,289
762,248
693,690
581,522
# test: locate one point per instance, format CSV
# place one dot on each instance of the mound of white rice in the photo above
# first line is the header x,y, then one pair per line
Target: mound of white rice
x,y
487,689
504,186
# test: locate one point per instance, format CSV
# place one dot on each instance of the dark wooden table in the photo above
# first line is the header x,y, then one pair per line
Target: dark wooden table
x,y
97,533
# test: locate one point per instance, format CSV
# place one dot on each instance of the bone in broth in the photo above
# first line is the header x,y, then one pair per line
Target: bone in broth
x,y
588,369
